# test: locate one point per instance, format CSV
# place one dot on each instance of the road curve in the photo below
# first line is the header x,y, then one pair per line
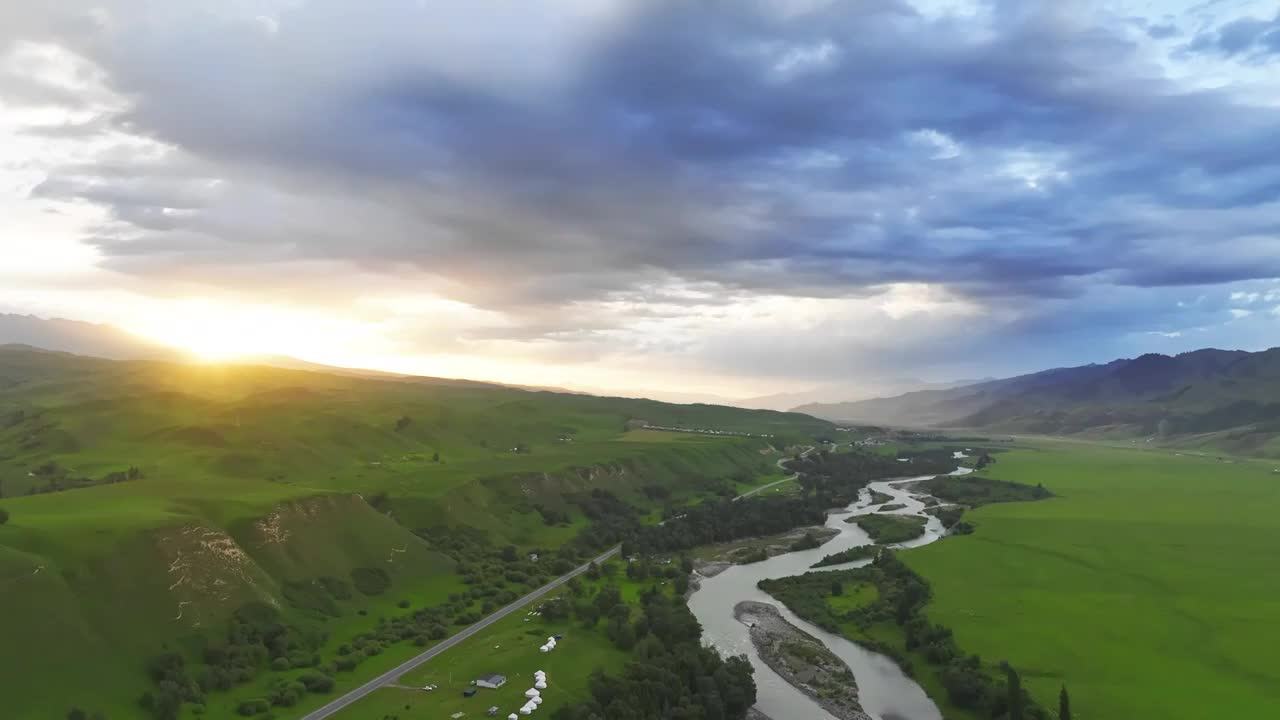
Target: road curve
x,y
390,676
781,466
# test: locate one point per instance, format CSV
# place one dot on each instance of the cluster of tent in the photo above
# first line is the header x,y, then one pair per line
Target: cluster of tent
x,y
533,695
549,645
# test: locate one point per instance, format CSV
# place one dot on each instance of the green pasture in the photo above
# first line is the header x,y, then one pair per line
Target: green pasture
x,y
1147,585
510,648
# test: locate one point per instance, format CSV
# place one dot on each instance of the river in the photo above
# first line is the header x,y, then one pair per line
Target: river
x,y
885,692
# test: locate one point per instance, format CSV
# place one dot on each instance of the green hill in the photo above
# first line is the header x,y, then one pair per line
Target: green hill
x,y
151,502
1228,400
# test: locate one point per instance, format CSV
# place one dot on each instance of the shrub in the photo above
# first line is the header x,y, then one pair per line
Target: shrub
x,y
249,708
340,589
316,682
280,664
371,581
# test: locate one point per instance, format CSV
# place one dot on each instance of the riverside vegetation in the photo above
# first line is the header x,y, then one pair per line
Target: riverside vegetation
x,y
881,606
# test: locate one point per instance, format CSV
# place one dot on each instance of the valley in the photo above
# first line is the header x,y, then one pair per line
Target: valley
x,y
362,538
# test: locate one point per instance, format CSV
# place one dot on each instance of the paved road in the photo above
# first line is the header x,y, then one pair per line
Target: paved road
x,y
789,478
390,676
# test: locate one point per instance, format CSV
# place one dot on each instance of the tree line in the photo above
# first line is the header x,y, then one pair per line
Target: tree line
x,y
670,675
902,595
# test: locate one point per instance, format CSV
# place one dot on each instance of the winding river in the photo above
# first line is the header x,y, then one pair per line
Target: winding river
x,y
886,693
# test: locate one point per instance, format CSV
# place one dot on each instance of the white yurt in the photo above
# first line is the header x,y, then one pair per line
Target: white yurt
x,y
537,700
513,716
545,648
540,685
526,710
531,693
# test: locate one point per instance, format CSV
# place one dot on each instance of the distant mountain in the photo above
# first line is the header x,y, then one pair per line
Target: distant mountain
x,y
106,341
80,338
1229,392
867,389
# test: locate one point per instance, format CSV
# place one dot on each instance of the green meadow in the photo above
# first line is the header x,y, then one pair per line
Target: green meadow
x,y
1147,585
509,648
148,501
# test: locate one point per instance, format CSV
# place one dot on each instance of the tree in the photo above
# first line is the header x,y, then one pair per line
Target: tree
x,y
509,553
435,457
1014,685
4,516
1064,704
837,588
593,571
76,714
403,422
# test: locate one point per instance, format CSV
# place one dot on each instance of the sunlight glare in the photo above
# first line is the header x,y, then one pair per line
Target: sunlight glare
x,y
217,331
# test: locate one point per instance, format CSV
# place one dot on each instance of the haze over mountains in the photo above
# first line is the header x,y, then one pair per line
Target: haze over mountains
x,y
106,341
1222,398
1231,397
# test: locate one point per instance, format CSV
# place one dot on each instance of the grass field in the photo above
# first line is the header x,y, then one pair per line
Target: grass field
x,y
1147,585
509,648
256,482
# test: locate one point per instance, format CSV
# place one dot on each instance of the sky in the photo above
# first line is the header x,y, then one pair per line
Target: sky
x,y
651,197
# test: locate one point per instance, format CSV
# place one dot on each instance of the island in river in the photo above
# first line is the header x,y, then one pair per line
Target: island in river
x,y
801,660
715,559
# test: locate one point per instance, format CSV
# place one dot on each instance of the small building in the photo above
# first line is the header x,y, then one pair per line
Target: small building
x,y
491,681
469,692
492,711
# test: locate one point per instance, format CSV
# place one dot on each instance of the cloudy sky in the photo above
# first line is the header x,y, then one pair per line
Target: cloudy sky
x,y
735,197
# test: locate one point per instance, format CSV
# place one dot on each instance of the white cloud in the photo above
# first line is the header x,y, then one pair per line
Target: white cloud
x,y
943,146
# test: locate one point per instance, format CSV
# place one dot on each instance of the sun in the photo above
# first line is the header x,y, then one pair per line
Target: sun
x,y
219,332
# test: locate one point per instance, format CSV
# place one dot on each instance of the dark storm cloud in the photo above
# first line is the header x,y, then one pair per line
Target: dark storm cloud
x,y
1253,38
1028,152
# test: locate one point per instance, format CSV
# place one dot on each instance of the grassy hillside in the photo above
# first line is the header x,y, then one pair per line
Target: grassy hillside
x,y
1143,584
1228,400
149,502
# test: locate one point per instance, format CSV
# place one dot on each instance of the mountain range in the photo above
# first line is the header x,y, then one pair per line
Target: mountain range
x,y
1227,398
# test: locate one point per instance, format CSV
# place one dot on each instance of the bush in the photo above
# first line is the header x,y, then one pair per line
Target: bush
x,y
340,589
280,664
316,682
371,581
4,516
249,708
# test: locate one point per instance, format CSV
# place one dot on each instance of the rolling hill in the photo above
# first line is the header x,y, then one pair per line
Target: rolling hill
x,y
1226,399
150,504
